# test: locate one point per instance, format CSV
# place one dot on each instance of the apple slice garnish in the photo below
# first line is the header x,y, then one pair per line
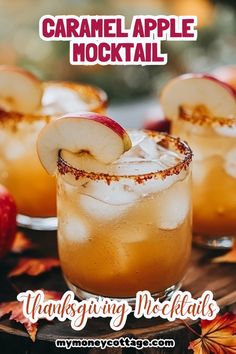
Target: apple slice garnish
x,y
226,74
20,90
198,90
86,132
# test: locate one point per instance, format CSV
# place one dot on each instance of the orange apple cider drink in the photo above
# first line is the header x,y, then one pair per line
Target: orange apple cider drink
x,y
123,226
203,113
214,170
20,170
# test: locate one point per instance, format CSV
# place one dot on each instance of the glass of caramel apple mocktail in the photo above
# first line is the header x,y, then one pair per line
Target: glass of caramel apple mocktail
x,y
26,106
124,223
208,124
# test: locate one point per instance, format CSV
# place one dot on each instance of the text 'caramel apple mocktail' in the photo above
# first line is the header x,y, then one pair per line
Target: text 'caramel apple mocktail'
x,y
203,112
26,106
124,205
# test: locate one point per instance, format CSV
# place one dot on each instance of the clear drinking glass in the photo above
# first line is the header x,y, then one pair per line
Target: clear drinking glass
x,y
20,170
213,141
127,229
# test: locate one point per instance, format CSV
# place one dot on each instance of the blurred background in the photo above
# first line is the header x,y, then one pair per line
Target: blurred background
x,y
133,90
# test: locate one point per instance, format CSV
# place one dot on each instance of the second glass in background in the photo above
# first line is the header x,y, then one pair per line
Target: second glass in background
x,y
20,169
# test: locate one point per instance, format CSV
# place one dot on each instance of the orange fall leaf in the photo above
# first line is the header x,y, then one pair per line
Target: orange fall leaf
x,y
21,243
34,266
218,336
229,257
15,308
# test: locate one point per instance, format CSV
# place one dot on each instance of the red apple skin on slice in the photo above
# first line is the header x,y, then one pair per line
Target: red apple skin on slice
x,y
96,134
225,84
20,90
198,89
226,74
7,221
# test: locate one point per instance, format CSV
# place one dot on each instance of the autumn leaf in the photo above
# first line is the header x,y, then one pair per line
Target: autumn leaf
x,y
218,336
34,266
15,308
229,257
21,243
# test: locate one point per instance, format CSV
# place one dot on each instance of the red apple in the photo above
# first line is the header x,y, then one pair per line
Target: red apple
x,y
7,221
97,135
198,89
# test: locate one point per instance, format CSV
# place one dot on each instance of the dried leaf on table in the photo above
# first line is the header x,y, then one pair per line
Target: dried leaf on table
x,y
218,336
34,266
229,257
21,243
15,308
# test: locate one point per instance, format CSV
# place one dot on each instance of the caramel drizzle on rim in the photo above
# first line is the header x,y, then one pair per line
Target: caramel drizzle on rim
x,y
162,139
200,115
12,118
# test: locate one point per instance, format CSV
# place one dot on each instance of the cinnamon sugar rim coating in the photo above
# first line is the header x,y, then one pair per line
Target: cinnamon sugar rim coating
x,y
163,139
85,90
12,118
201,116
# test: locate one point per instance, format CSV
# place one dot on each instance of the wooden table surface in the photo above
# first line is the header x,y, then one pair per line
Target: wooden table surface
x,y
201,275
